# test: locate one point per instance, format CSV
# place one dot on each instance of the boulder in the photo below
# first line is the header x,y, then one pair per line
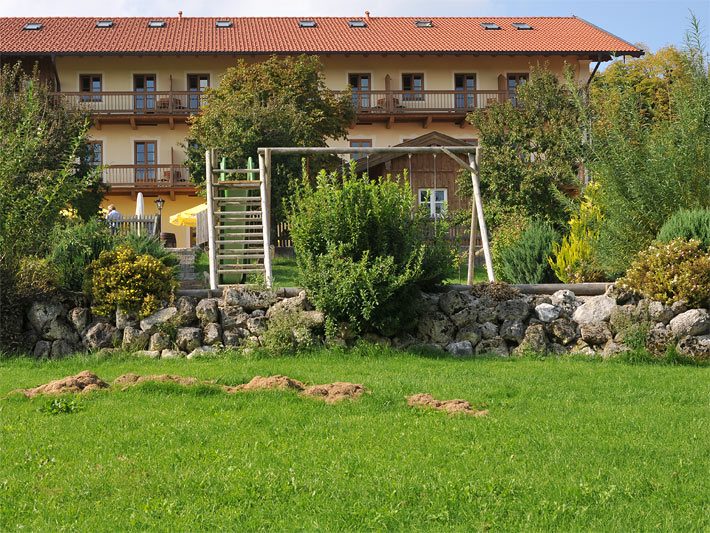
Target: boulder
x,y
290,305
123,319
679,307
693,322
583,348
248,298
312,319
42,349
460,348
62,348
487,310
58,329
466,316
171,354
564,298
79,318
494,346
471,333
596,333
187,339
535,340
151,323
102,335
159,341
547,312
207,311
435,327
658,339
257,313
452,302
151,354
488,330
512,310
513,330
40,314
212,334
563,330
234,337
595,309
695,347
257,325
202,351
613,348
232,318
619,294
658,312
134,339
186,311
622,317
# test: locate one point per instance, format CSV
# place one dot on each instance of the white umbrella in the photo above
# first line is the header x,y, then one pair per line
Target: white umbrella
x,y
139,209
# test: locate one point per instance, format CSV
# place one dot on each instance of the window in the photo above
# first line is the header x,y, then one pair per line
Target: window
x,y
357,24
224,24
466,84
490,26
32,26
434,200
90,83
104,24
144,83
145,159
423,23
413,87
94,154
156,24
514,80
360,143
197,83
307,23
360,84
522,26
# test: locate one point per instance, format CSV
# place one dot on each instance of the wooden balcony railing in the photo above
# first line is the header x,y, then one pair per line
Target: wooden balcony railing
x,y
181,103
425,102
147,176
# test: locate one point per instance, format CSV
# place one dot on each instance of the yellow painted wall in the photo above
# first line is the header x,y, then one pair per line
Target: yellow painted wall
x,y
127,207
118,142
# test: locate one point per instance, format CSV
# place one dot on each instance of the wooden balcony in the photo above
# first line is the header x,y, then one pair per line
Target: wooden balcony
x,y
147,178
428,106
136,107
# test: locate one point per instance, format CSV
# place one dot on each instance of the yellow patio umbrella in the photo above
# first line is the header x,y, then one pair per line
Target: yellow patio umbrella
x,y
188,217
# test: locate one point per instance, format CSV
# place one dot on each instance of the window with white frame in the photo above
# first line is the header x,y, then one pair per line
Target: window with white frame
x,y
434,200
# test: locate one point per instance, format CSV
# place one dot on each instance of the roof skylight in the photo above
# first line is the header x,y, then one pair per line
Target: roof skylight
x,y
224,24
307,23
490,26
357,24
104,23
522,26
32,26
156,24
424,23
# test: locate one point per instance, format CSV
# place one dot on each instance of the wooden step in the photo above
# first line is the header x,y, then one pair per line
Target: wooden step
x,y
247,200
239,226
237,213
238,256
235,171
241,270
239,241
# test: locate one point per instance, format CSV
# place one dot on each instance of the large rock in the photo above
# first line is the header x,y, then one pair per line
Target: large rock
x,y
460,348
564,298
232,318
249,299
596,333
134,339
42,349
513,330
159,341
102,335
564,330
487,310
693,322
212,334
466,316
595,309
203,351
234,337
40,314
547,312
186,311
124,319
207,311
452,302
619,294
435,327
494,346
257,325
622,317
58,329
62,348
657,312
535,340
695,347
187,339
151,323
488,330
613,348
79,318
471,333
290,305
658,339
171,354
512,310
150,354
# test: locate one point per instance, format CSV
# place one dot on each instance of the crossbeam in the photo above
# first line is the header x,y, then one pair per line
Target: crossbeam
x,y
369,150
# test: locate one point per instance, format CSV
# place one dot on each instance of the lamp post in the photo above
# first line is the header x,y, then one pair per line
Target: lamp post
x,y
159,203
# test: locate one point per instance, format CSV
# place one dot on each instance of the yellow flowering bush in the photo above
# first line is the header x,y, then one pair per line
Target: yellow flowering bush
x,y
669,272
135,283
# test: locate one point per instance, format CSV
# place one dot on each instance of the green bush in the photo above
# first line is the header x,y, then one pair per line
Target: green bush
x,y
146,244
670,272
137,284
687,224
363,249
35,277
525,260
75,246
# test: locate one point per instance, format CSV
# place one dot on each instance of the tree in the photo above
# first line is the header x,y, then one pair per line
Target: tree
x,y
532,151
276,102
40,144
651,147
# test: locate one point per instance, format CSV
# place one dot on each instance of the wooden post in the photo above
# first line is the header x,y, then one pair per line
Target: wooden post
x,y
389,99
265,186
211,238
478,202
472,246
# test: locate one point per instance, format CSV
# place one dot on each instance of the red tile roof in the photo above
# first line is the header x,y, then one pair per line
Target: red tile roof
x,y
565,35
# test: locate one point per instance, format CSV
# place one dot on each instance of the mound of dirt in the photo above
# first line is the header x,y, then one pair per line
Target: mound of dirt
x,y
134,379
335,392
84,381
449,406
277,382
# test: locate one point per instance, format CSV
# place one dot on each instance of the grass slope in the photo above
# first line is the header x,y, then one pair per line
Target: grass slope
x,y
569,445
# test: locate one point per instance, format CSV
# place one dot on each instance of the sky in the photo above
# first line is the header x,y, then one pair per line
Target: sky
x,y
654,23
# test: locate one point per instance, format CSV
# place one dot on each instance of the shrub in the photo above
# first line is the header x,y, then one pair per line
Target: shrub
x,y
670,272
575,258
75,246
687,224
137,284
35,277
507,232
526,259
363,248
146,244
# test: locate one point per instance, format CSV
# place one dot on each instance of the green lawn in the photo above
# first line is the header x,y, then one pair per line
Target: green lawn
x,y
568,445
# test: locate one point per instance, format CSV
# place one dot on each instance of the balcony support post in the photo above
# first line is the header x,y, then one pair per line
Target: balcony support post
x,y
211,239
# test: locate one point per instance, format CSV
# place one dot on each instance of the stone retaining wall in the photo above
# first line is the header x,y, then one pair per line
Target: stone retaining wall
x,y
489,319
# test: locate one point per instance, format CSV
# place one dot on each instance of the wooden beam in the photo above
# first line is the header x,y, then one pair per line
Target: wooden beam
x,y
390,122
97,123
427,121
172,194
171,122
133,123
